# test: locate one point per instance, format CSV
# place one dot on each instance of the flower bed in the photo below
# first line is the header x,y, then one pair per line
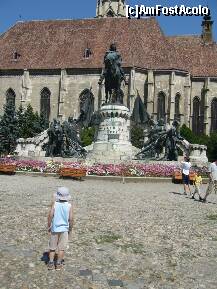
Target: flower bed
x,y
124,170
135,170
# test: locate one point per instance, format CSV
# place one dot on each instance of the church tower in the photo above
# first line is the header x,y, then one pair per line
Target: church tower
x,y
110,8
207,29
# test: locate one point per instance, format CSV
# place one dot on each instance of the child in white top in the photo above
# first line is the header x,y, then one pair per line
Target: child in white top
x,y
60,222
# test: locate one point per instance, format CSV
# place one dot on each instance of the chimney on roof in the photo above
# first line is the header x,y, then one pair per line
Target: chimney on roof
x,y
207,29
110,8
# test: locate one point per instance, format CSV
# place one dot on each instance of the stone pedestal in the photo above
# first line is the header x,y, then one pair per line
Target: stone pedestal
x,y
197,155
113,137
32,147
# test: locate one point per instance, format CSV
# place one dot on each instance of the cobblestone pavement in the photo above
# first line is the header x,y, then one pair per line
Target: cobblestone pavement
x,y
133,236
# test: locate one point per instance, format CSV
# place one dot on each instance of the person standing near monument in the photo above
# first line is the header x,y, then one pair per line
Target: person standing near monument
x,y
197,183
212,186
60,223
186,165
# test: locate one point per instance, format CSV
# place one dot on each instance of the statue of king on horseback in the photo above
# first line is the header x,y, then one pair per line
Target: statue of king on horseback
x,y
113,75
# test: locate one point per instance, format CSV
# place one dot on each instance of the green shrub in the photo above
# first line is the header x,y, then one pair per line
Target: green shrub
x,y
212,147
30,123
87,136
8,130
187,134
209,141
137,136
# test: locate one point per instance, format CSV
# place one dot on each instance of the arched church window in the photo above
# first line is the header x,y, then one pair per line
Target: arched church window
x,y
177,107
196,116
87,53
146,94
45,103
85,95
10,96
110,13
214,115
161,106
86,107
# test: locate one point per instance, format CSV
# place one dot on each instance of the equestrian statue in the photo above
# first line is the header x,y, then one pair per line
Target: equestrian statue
x,y
113,75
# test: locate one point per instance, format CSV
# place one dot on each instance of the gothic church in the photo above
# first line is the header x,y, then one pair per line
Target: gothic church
x,y
52,64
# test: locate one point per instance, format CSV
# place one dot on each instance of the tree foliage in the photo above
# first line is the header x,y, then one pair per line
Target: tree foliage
x,y
87,136
212,147
137,136
24,123
209,141
187,134
30,123
8,129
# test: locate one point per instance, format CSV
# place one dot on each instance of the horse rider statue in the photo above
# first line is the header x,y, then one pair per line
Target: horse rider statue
x,y
113,75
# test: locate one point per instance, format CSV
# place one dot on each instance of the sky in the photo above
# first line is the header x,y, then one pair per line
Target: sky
x,y
12,11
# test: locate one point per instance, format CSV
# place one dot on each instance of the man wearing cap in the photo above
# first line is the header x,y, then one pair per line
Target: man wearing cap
x,y
212,180
60,223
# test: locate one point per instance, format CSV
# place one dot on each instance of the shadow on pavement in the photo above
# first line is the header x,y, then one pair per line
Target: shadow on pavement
x,y
176,193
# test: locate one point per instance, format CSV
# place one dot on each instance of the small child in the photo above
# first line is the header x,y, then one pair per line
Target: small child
x,y
197,183
60,223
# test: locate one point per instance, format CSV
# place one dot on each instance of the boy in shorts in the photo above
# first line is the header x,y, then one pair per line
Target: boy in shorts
x,y
60,223
197,183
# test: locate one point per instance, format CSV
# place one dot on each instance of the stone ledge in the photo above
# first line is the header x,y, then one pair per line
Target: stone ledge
x,y
37,174
131,179
104,178
109,178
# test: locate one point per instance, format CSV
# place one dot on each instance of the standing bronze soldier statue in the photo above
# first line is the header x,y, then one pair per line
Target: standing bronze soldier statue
x,y
113,75
172,139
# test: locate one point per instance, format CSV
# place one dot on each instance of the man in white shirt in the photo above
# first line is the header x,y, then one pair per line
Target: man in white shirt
x,y
212,180
186,165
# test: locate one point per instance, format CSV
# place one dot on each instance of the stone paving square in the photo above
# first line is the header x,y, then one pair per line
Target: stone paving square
x,y
143,235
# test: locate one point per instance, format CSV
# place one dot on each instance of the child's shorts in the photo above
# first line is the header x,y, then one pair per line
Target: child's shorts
x,y
185,179
58,241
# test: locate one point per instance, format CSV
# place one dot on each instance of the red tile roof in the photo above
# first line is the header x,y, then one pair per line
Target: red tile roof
x,y
191,54
61,43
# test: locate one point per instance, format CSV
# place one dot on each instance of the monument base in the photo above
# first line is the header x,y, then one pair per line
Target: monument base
x,y
197,155
113,137
32,147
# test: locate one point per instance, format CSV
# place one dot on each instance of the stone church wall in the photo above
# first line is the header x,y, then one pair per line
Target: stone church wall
x,y
38,83
211,94
6,82
66,87
179,88
75,85
196,88
140,80
161,85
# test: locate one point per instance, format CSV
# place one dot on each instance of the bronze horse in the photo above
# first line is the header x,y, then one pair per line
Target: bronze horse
x,y
113,75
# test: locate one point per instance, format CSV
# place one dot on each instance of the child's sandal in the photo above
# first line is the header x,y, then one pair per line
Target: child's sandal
x,y
59,266
50,266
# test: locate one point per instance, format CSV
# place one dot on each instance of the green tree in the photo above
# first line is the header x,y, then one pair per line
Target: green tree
x,y
30,123
20,120
137,136
9,131
87,136
212,147
44,123
28,127
187,134
209,141
36,124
